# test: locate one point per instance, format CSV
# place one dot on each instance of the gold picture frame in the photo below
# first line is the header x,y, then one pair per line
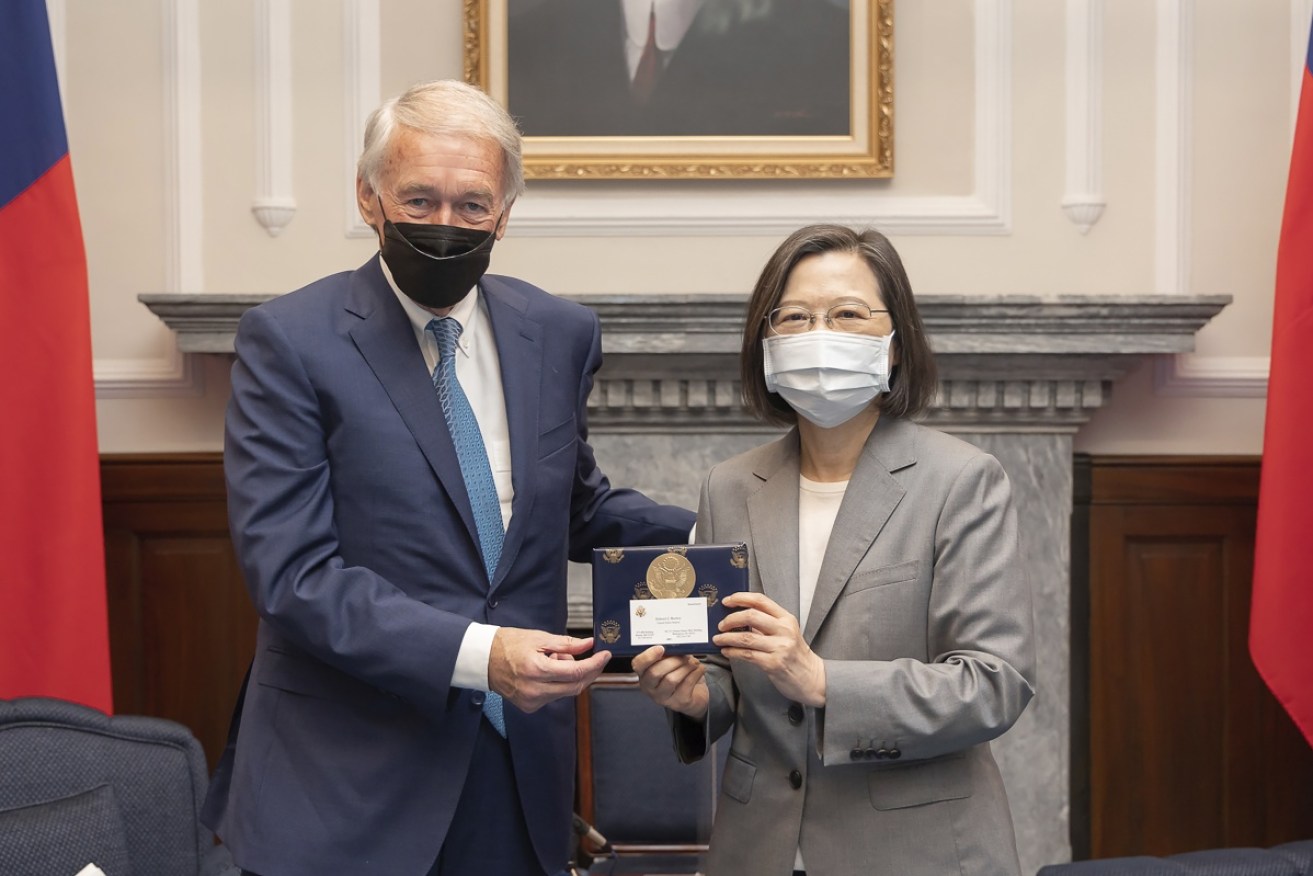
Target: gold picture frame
x,y
863,151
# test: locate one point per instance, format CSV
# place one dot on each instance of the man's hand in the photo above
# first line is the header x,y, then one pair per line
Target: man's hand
x,y
675,682
531,668
763,634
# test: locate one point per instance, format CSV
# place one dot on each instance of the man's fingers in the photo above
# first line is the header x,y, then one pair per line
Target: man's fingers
x,y
568,645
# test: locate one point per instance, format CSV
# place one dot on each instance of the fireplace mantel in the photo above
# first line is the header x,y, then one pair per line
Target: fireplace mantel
x,y
1007,362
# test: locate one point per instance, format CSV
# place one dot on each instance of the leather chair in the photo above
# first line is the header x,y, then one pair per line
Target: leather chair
x,y
79,787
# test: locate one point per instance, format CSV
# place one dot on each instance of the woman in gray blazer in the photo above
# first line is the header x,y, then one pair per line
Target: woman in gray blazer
x,y
886,637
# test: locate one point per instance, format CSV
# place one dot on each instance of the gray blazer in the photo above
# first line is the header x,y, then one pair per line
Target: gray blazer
x,y
923,618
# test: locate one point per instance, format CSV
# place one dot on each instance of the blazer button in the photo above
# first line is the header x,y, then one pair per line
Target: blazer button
x,y
795,779
477,699
795,714
894,754
870,753
857,753
492,603
881,753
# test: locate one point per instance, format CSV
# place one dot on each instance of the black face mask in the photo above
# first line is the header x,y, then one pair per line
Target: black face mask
x,y
436,265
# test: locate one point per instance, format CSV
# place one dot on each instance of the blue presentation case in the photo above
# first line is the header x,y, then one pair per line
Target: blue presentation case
x,y
623,578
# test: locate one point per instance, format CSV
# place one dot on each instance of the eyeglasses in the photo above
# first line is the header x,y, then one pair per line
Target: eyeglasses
x,y
793,320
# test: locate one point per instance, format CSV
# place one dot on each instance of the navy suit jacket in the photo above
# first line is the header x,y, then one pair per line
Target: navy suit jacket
x,y
358,545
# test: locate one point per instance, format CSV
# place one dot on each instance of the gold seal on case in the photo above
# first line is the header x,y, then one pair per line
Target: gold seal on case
x,y
641,591
609,631
681,549
709,593
613,555
671,576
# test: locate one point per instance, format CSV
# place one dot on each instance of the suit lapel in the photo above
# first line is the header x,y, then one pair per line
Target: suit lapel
x,y
872,495
399,367
773,523
520,351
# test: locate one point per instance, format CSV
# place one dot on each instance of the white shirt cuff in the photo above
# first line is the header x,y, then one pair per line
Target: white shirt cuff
x,y
472,660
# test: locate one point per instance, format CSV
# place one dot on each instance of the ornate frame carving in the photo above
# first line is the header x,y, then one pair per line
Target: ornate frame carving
x,y
867,153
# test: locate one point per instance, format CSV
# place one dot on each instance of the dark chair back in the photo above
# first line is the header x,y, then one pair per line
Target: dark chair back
x,y
79,787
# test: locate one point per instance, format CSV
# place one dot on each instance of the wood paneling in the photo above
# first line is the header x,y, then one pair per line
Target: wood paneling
x,y
182,629
1187,749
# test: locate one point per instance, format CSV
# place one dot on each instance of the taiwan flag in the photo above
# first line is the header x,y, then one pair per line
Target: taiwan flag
x,y
1281,622
54,634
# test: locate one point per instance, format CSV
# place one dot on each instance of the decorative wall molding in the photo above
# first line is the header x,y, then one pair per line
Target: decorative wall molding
x,y
1083,202
362,55
1173,152
172,377
630,210
1195,376
1008,363
183,186
274,204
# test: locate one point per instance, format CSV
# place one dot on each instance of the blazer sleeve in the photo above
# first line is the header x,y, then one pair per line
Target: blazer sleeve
x,y
606,516
693,739
979,632
281,514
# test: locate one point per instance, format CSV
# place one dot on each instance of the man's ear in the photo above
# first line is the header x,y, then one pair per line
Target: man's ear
x,y
367,202
505,218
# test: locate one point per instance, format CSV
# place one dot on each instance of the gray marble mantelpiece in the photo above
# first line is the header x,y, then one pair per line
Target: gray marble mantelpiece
x,y
1019,375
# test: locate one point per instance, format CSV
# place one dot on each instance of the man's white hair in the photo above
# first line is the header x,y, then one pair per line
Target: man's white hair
x,y
451,108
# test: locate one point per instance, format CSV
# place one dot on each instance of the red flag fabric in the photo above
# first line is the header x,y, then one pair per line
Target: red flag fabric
x,y
1281,621
54,632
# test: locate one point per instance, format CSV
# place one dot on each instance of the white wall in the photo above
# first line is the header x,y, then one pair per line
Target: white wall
x,y
1182,116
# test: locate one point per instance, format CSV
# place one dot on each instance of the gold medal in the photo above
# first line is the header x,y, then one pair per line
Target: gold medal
x,y
670,576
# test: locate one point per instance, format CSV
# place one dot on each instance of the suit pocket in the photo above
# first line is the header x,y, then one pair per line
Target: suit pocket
x,y
737,780
919,783
308,677
556,438
895,574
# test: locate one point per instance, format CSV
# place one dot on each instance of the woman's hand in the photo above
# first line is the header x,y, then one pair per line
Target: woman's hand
x,y
675,682
773,643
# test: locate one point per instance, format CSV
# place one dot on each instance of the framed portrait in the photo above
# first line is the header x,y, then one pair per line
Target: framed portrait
x,y
690,89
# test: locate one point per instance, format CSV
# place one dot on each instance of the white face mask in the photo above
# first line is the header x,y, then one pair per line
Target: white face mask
x,y
828,377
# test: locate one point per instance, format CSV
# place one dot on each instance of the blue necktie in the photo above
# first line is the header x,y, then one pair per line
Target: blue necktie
x,y
474,468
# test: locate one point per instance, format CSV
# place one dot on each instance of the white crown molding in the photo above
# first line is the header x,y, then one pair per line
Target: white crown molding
x,y
274,204
1173,154
363,57
1083,201
1197,376
57,16
1301,11
637,209
174,376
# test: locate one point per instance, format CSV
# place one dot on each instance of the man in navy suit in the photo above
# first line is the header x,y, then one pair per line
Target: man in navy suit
x,y
408,471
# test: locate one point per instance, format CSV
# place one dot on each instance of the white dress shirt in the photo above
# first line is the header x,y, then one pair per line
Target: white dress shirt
x,y
818,508
478,367
673,19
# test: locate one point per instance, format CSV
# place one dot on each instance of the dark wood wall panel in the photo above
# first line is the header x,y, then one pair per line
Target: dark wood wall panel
x,y
1187,749
1177,744
182,629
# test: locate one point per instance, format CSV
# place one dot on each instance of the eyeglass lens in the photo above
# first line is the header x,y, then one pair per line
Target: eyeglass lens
x,y
849,317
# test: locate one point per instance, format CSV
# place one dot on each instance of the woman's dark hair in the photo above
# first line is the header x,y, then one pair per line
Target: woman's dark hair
x,y
913,380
